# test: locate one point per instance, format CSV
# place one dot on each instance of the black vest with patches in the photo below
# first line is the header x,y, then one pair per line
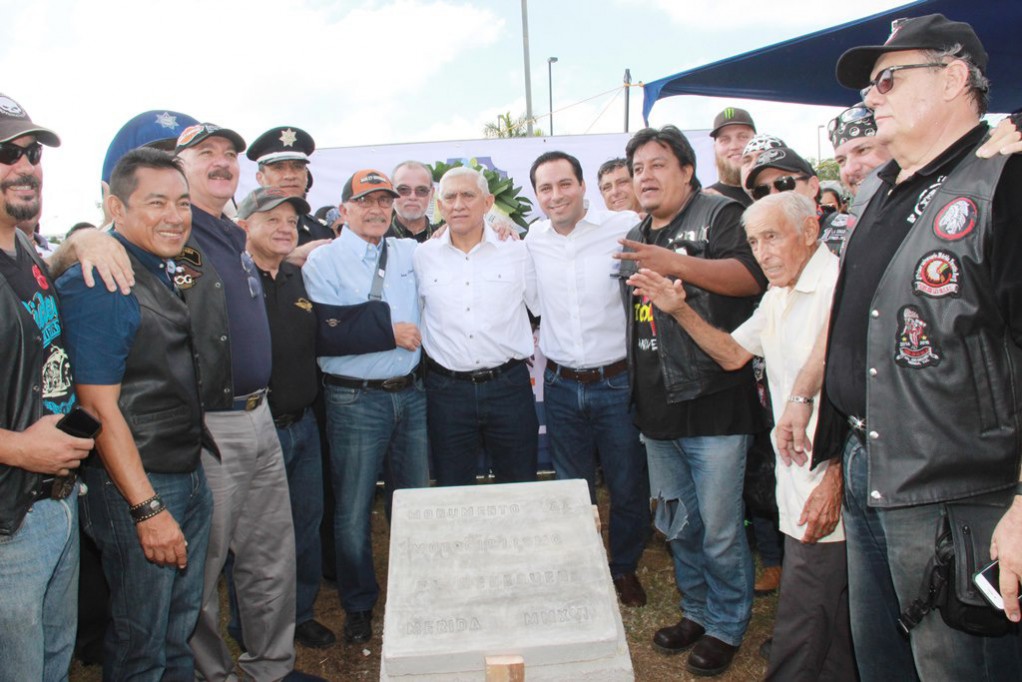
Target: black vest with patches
x,y
688,372
160,389
943,370
204,293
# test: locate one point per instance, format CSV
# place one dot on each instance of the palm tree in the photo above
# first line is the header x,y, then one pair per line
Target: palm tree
x,y
509,127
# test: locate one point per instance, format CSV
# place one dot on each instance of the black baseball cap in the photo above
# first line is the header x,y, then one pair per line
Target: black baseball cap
x,y
781,158
729,117
931,32
15,122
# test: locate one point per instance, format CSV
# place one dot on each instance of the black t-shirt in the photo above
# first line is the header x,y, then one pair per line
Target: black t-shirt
x,y
732,192
882,228
34,288
293,381
731,411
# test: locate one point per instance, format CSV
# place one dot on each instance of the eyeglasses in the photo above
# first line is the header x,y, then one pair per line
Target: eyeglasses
x,y
368,201
420,191
10,153
254,287
785,183
885,80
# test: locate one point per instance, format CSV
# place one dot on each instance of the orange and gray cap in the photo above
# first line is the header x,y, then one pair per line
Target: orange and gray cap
x,y
365,182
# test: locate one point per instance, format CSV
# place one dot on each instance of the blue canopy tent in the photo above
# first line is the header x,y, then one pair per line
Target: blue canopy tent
x,y
801,70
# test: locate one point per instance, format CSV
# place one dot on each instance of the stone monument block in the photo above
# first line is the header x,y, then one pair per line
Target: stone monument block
x,y
508,569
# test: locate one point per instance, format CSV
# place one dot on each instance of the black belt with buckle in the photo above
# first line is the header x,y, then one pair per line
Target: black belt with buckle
x,y
249,402
392,385
479,376
591,375
57,487
285,420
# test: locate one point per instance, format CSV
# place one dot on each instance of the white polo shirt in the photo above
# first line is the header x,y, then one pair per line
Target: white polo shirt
x,y
579,292
473,304
782,331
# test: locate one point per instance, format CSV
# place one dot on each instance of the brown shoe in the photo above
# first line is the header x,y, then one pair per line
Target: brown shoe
x,y
768,582
675,639
629,590
710,657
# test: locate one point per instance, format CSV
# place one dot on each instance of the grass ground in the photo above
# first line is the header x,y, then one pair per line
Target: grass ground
x,y
342,662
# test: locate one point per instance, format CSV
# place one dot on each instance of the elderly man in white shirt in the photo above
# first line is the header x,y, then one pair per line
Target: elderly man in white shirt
x,y
812,638
582,334
477,337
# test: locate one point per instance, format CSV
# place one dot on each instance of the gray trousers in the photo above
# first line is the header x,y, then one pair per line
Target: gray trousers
x,y
252,518
812,630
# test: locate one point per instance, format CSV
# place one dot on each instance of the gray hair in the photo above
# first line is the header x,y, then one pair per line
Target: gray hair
x,y
412,164
460,171
794,207
979,85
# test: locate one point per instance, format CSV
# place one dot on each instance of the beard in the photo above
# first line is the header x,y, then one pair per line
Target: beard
x,y
727,174
23,210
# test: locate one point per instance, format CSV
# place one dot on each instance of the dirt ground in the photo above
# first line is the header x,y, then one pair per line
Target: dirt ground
x,y
344,662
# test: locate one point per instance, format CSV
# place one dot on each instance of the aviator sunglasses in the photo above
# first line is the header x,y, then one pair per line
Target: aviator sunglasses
x,y
785,183
10,153
885,79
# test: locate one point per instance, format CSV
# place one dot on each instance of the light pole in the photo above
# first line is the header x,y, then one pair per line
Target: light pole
x,y
550,86
528,75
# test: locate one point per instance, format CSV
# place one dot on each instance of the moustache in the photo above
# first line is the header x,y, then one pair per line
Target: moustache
x,y
22,180
221,173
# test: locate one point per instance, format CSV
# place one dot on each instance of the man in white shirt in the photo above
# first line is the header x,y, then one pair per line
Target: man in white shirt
x,y
582,334
477,337
812,638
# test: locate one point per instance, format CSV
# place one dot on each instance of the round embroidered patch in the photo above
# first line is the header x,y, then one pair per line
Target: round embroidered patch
x,y
956,219
936,275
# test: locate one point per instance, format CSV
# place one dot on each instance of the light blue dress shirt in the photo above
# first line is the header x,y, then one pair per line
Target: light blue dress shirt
x,y
341,273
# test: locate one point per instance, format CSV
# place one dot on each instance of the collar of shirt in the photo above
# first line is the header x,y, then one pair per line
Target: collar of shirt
x,y
489,237
362,249
889,173
809,280
163,269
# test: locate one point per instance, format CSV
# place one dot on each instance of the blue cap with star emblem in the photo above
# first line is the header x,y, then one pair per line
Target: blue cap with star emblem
x,y
158,128
282,144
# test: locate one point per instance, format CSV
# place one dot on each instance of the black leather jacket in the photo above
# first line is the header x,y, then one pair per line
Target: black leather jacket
x,y
688,371
21,404
944,373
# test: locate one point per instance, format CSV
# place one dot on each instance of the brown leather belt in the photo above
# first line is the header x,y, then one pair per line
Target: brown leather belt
x,y
588,376
392,385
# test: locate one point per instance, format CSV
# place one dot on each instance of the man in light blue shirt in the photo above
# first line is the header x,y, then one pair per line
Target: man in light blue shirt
x,y
375,401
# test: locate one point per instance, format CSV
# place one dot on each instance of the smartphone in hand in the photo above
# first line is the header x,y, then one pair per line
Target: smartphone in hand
x,y
79,423
989,583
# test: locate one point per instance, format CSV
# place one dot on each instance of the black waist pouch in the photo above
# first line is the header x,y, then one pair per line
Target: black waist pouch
x,y
353,329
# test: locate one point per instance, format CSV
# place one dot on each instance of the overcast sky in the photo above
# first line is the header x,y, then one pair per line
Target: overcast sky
x,y
373,72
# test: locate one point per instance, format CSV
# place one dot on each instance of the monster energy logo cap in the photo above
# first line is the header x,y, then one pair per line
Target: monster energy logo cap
x,y
731,116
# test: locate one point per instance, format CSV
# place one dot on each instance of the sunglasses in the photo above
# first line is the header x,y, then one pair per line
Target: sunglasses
x,y
785,183
248,265
885,80
860,112
420,191
10,153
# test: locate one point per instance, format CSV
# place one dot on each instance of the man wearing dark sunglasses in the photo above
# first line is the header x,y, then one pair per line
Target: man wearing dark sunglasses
x,y
38,495
925,320
782,170
414,184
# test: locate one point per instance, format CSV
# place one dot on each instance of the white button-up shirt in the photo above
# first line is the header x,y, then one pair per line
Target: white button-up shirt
x,y
782,331
473,304
579,293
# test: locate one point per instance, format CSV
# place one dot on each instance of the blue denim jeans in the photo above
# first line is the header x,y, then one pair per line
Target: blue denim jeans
x,y
497,416
367,429
581,418
888,550
38,592
697,483
153,608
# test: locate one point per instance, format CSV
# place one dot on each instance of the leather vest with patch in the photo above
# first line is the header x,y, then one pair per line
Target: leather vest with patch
x,y
160,388
943,370
688,372
204,293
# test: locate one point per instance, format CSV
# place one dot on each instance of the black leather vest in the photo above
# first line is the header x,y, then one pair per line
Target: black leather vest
x,y
204,294
688,371
21,404
159,392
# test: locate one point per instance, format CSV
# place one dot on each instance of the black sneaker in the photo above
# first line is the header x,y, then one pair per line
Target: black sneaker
x,y
314,634
358,627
